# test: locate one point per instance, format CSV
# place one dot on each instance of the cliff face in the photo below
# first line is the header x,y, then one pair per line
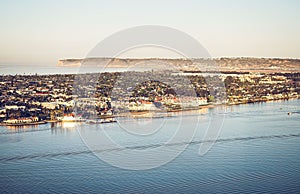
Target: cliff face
x,y
93,62
69,62
117,62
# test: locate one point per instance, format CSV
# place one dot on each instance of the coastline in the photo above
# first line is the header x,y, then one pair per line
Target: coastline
x,y
153,114
252,89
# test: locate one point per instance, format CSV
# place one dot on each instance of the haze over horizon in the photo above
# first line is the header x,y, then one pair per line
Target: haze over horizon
x,y
43,32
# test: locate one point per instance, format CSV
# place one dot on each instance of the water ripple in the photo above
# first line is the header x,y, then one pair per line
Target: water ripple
x,y
25,131
142,147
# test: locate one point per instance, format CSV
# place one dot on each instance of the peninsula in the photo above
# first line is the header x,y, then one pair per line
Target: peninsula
x,y
36,99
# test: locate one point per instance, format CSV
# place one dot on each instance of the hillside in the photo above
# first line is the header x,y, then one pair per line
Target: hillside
x,y
265,65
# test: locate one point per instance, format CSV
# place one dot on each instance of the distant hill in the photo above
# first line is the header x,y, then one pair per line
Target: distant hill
x,y
243,64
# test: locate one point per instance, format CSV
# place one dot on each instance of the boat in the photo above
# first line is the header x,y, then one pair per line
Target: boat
x,y
72,118
101,121
22,121
23,124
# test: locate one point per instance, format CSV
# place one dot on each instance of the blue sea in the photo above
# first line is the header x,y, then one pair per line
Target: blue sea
x,y
257,150
52,69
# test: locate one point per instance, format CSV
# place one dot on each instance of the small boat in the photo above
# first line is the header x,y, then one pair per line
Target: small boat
x,y
100,121
72,118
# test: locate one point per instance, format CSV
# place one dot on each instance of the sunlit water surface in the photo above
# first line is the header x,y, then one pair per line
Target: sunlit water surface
x,y
257,151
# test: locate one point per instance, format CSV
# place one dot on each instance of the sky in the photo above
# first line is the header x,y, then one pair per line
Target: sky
x,y
40,32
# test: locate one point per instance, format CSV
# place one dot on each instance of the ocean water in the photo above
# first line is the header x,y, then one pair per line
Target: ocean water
x,y
52,69
257,150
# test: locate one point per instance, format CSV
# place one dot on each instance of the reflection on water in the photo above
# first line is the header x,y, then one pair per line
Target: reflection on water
x,y
21,128
59,128
200,111
257,151
68,125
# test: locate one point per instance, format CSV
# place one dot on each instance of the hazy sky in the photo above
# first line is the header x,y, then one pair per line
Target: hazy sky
x,y
44,31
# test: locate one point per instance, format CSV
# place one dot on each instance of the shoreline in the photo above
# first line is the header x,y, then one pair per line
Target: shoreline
x,y
152,114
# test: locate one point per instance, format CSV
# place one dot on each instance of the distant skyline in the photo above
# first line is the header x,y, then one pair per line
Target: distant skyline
x,y
43,32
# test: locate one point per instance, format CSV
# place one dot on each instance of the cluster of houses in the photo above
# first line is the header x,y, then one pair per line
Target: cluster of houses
x,y
261,87
35,98
162,103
